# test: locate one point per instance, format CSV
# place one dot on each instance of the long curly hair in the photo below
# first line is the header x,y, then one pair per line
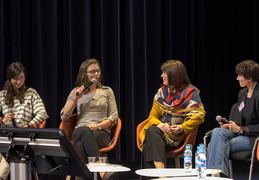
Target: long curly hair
x,y
12,71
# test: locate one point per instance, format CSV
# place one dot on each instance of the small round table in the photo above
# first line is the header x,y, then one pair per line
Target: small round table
x,y
193,178
170,172
97,167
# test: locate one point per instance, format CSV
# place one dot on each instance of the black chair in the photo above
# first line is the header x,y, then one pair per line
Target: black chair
x,y
237,156
255,157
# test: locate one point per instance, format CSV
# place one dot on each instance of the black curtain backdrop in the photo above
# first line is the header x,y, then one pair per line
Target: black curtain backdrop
x,y
131,39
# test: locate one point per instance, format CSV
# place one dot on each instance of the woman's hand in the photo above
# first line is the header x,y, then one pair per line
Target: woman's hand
x,y
8,117
176,129
30,125
164,127
233,127
69,108
224,125
80,92
93,127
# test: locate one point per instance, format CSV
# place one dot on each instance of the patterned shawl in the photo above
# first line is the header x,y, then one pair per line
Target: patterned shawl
x,y
186,104
181,103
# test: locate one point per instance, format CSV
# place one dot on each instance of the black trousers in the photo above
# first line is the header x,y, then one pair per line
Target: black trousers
x,y
88,143
155,147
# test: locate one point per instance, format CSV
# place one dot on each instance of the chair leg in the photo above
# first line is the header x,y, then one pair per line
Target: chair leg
x,y
35,176
251,169
252,159
69,177
177,161
230,169
141,165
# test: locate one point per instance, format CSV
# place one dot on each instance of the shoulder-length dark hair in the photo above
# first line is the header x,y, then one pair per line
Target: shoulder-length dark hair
x,y
177,74
249,69
82,78
13,70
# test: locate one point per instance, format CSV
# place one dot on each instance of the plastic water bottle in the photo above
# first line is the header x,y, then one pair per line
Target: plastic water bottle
x,y
188,158
201,163
197,154
196,158
202,146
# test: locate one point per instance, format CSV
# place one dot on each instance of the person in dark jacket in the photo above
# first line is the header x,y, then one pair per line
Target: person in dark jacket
x,y
239,134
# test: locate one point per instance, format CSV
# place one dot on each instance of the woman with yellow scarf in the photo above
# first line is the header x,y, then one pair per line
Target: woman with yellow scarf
x,y
177,109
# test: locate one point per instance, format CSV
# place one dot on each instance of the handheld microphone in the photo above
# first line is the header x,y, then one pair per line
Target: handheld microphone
x,y
219,119
14,122
88,85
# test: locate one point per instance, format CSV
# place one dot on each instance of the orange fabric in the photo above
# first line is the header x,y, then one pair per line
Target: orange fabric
x,y
43,124
68,127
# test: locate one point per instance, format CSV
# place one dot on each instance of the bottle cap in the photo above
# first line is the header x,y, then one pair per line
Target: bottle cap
x,y
201,150
188,146
201,145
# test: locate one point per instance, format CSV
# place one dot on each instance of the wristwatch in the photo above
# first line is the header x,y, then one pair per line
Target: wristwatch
x,y
99,127
241,130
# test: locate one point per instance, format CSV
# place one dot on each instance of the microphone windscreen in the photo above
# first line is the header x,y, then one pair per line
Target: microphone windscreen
x,y
218,118
93,80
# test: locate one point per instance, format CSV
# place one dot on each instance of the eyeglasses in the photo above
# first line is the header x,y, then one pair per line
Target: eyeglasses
x,y
94,71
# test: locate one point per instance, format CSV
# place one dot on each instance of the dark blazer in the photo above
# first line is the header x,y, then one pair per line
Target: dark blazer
x,y
251,126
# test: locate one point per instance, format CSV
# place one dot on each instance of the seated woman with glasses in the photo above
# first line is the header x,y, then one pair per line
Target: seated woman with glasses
x,y
96,111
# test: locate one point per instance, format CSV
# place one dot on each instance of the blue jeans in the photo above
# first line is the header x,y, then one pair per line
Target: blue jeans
x,y
223,143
